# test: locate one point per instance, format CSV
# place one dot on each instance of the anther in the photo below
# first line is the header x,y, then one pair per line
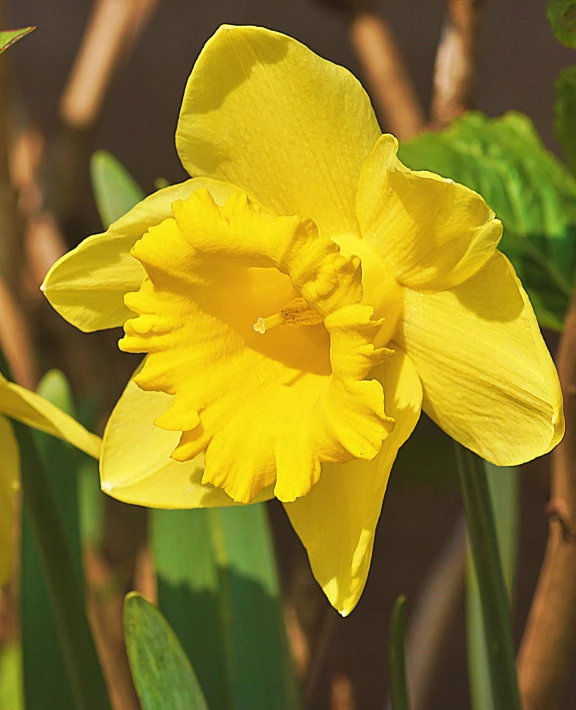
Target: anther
x,y
297,312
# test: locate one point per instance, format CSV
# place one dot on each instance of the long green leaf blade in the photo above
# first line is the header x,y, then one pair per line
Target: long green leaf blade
x,y
503,484
10,37
529,189
162,674
115,190
398,686
491,586
45,675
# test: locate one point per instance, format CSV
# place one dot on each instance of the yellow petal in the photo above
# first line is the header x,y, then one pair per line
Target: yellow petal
x,y
87,285
267,407
9,485
136,466
434,232
263,112
33,410
489,380
336,521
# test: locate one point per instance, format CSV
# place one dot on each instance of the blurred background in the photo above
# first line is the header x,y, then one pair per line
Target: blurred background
x,y
518,61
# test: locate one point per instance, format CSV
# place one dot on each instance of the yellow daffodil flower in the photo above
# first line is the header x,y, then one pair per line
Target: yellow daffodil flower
x,y
300,300
19,403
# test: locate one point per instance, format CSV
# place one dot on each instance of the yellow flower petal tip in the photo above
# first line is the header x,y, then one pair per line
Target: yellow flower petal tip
x,y
299,302
298,378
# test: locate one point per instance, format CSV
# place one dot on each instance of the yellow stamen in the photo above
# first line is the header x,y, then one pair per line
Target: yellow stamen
x,y
297,312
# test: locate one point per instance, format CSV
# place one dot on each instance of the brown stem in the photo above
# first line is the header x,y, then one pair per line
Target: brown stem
x,y
387,77
455,69
549,638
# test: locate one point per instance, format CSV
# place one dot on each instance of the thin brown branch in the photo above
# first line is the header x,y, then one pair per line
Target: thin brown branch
x,y
455,70
385,72
550,635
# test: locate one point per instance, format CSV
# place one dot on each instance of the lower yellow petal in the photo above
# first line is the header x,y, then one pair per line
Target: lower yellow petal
x,y
136,466
489,380
31,409
88,284
9,485
337,520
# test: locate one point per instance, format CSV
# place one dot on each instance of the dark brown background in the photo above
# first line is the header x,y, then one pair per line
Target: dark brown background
x,y
519,60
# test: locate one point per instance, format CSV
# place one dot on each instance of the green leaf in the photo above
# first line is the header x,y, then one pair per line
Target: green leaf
x,y
217,584
562,16
162,674
115,190
398,687
503,484
530,190
45,674
491,587
565,114
10,37
11,693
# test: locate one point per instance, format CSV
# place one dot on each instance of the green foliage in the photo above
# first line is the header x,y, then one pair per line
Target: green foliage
x,y
503,484
485,554
565,114
562,16
45,674
529,189
10,37
162,674
115,190
11,691
217,584
398,688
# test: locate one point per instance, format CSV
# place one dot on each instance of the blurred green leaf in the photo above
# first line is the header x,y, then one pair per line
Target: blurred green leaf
x,y
11,694
504,487
10,37
398,687
562,16
530,190
494,603
45,674
161,671
217,584
115,190
565,114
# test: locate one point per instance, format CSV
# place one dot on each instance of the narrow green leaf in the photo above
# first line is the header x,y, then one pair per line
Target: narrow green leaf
x,y
491,586
162,674
562,16
217,584
189,594
64,586
530,190
10,37
503,484
565,114
45,674
115,190
398,686
11,690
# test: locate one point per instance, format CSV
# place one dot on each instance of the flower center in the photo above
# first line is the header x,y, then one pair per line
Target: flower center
x,y
267,411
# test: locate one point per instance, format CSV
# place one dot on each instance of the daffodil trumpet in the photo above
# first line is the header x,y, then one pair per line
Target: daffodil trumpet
x,y
299,301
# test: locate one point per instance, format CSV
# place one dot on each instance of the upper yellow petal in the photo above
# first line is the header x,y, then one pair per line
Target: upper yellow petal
x,y
268,407
337,520
88,284
35,411
265,113
434,232
489,380
136,467
9,485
